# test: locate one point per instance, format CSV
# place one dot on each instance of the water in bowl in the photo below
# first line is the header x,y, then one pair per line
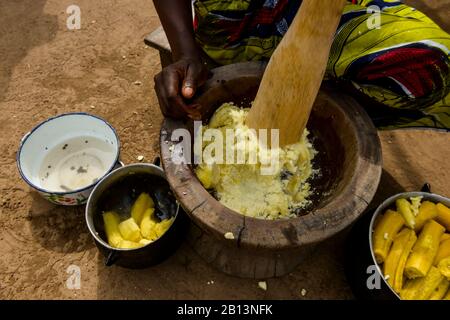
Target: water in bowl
x,y
76,163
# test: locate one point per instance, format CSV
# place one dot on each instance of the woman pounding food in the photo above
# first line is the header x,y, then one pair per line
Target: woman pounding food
x,y
401,66
399,62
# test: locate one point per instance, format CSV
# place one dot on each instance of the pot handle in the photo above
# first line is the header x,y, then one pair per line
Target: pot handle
x,y
119,164
111,258
426,188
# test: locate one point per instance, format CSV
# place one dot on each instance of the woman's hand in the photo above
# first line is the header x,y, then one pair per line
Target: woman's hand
x,y
177,82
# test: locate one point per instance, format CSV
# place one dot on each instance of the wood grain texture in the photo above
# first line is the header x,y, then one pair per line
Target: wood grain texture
x,y
347,138
295,71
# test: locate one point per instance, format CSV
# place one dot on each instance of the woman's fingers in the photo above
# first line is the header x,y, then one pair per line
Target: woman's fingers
x,y
195,76
177,82
171,81
190,82
163,100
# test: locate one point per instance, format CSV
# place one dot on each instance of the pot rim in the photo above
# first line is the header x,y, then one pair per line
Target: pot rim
x,y
91,228
382,208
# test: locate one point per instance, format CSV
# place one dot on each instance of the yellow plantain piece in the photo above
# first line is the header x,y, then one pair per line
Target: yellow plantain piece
x,y
148,225
424,251
385,232
404,208
126,244
130,230
445,236
447,296
402,245
111,221
399,271
422,288
443,251
440,291
444,267
427,211
148,214
142,203
163,226
443,215
145,242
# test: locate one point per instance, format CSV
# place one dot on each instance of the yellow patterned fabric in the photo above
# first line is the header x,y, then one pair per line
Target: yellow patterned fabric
x,y
386,50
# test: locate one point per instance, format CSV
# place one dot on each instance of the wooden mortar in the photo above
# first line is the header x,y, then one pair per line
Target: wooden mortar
x,y
349,158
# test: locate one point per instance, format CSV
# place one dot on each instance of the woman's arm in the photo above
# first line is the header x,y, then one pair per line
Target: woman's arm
x,y
176,19
180,79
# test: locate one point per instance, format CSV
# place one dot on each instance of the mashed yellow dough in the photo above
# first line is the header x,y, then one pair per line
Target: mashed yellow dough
x,y
244,187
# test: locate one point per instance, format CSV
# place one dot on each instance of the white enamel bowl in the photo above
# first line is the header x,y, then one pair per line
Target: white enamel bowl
x,y
42,145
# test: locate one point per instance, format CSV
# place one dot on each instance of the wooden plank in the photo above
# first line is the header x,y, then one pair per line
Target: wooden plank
x,y
158,40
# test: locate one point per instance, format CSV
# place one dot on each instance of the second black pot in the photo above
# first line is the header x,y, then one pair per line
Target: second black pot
x,y
117,191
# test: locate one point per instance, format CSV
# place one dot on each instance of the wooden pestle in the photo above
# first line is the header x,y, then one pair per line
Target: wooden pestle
x,y
295,71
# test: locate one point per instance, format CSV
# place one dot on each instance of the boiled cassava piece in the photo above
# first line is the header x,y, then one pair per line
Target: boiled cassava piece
x,y
385,232
126,244
443,215
443,251
148,224
163,226
422,288
447,296
444,267
111,221
144,241
399,272
404,208
142,203
128,234
440,291
427,211
424,251
130,230
396,259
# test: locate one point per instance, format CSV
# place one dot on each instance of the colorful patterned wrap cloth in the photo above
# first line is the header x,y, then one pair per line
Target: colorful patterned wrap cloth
x,y
390,52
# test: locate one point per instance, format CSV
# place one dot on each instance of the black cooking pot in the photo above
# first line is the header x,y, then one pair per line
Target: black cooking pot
x,y
117,192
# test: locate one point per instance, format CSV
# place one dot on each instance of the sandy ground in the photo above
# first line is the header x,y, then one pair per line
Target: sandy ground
x,y
47,69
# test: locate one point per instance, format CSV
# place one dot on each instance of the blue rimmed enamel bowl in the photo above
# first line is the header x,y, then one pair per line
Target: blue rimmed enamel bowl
x,y
65,156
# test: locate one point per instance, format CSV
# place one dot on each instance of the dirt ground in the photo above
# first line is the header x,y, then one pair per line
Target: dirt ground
x,y
47,69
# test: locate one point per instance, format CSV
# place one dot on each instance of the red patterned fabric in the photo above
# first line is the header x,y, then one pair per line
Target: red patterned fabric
x,y
418,69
